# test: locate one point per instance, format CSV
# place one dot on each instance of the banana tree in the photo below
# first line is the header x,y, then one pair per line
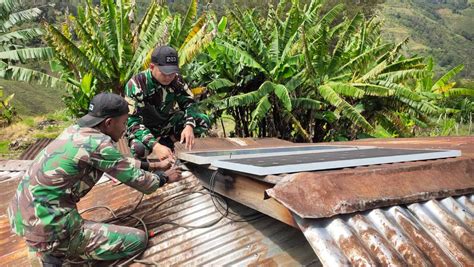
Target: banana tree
x,y
340,77
7,111
363,79
16,44
444,86
259,57
443,91
105,46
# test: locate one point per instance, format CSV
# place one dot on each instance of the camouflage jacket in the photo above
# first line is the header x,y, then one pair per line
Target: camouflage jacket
x,y
152,104
44,206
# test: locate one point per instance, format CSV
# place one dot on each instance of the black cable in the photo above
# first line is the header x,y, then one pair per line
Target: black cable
x,y
215,198
245,218
162,222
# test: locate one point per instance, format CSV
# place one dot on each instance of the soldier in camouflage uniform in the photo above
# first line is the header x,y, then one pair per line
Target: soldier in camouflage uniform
x,y
155,122
44,211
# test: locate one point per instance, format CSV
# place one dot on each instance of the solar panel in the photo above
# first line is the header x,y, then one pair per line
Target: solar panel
x,y
207,157
267,165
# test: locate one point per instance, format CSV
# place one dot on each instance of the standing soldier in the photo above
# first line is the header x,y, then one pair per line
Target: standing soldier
x,y
155,122
44,210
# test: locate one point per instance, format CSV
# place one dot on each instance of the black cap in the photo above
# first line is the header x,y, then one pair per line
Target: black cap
x,y
166,58
102,106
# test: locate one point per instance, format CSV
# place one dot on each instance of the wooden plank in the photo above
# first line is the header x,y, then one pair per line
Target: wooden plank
x,y
245,190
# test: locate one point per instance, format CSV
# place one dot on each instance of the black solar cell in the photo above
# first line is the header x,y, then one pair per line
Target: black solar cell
x,y
326,157
290,163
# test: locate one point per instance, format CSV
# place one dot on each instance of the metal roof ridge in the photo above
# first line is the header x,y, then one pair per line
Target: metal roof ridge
x,y
351,190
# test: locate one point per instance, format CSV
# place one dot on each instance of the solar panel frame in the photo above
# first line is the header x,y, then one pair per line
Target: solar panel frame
x,y
336,164
197,157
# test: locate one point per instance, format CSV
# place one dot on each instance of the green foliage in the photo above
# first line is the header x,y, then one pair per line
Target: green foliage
x,y
310,73
456,102
29,121
15,40
298,70
7,111
110,47
4,147
60,115
77,101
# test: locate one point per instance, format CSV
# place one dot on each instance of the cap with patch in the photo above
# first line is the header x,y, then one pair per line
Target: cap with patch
x,y
103,106
166,58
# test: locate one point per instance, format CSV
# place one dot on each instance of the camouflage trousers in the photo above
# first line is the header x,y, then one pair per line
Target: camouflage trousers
x,y
95,241
174,127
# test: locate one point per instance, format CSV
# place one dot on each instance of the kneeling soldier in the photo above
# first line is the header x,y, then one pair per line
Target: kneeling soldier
x,y
162,112
44,210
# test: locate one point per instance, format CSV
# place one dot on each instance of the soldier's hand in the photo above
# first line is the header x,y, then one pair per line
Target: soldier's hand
x,y
187,136
174,174
161,165
162,152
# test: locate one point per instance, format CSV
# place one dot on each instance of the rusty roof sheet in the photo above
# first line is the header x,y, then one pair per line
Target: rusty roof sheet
x,y
12,248
262,241
350,190
33,150
356,189
437,232
431,232
464,143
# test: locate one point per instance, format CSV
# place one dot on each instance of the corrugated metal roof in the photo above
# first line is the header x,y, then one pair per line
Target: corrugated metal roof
x,y
437,232
33,150
263,241
12,248
243,243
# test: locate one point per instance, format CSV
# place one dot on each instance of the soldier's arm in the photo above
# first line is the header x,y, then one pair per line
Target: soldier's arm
x,y
108,159
185,101
135,126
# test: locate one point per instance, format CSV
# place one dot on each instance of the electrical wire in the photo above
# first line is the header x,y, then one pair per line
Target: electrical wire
x,y
218,201
162,222
244,218
145,228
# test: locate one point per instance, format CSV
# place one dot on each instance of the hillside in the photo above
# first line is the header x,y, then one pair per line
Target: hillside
x,y
441,28
33,99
